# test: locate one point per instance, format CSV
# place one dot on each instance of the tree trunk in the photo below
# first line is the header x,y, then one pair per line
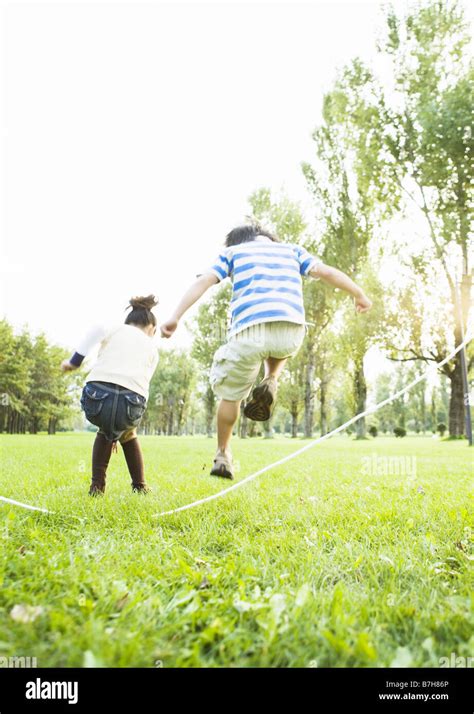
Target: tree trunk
x,y
210,400
169,429
179,422
243,425
268,429
309,397
457,407
360,395
456,400
294,423
423,409
323,414
12,422
434,412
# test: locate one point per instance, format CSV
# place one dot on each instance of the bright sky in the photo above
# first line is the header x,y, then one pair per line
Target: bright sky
x,y
132,135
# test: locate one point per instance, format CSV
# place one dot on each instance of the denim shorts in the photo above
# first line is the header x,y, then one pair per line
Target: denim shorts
x,y
114,409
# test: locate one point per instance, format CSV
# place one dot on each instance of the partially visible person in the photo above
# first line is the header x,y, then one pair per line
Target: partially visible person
x,y
116,391
267,322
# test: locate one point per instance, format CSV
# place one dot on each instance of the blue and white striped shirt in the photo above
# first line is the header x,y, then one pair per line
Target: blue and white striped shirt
x,y
267,285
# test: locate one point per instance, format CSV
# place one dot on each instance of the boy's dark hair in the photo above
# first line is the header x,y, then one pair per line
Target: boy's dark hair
x,y
141,312
247,233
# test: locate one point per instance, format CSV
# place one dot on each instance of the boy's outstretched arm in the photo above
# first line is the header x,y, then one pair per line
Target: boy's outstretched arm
x,y
197,290
338,279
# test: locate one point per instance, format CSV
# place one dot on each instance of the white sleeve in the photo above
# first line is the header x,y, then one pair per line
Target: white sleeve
x,y
90,339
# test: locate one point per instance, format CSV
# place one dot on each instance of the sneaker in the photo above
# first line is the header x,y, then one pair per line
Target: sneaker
x,y
223,465
261,404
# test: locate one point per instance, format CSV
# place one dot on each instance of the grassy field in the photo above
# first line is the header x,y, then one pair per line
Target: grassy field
x,y
355,554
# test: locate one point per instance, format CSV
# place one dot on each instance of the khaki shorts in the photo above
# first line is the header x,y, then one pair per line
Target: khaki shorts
x,y
126,436
236,364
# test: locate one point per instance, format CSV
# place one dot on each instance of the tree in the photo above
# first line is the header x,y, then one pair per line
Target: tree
x,y
49,400
285,217
417,414
340,398
439,403
319,347
291,390
210,331
346,218
15,378
413,142
358,334
34,393
328,360
171,390
282,215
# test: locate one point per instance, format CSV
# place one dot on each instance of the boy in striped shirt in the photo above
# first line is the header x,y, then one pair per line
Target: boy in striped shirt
x,y
267,322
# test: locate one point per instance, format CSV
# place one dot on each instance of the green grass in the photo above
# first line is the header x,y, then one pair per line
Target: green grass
x,y
320,562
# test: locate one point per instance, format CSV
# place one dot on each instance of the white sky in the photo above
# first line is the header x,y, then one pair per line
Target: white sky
x,y
132,135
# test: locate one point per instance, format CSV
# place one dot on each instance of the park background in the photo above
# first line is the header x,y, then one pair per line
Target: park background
x,y
127,163
134,137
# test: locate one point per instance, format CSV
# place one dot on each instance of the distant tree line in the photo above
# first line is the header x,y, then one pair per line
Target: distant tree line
x,y
389,148
34,393
36,396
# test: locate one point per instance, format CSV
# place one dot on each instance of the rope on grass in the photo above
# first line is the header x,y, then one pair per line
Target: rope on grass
x,y
24,505
319,440
294,454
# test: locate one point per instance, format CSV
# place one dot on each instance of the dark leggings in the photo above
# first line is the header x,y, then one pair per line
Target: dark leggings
x,y
101,452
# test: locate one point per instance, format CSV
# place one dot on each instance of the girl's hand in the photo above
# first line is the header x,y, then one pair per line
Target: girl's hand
x,y
66,366
168,327
362,303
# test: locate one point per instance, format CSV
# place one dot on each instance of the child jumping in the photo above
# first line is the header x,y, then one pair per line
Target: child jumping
x,y
116,391
267,323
